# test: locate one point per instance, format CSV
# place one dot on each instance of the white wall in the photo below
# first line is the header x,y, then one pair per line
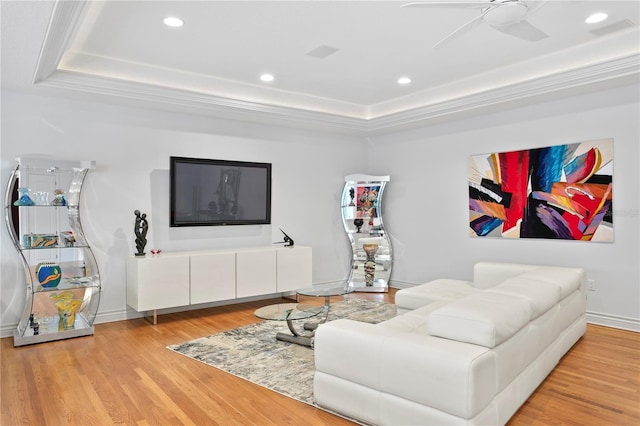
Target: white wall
x,y
132,148
427,199
425,203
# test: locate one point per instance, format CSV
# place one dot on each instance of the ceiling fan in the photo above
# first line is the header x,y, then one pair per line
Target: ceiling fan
x,y
507,16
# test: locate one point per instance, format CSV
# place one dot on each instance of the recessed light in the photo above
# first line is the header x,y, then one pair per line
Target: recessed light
x,y
404,80
267,77
172,21
596,17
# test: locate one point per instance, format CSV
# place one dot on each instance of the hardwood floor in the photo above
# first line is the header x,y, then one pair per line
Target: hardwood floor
x,y
125,375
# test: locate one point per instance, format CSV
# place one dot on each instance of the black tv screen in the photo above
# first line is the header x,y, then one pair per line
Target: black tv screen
x,y
207,192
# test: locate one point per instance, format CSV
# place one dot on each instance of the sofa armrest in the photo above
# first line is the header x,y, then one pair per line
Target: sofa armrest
x,y
450,376
343,344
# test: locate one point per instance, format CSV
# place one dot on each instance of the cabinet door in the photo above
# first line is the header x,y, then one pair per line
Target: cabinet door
x,y
213,277
157,282
256,272
294,268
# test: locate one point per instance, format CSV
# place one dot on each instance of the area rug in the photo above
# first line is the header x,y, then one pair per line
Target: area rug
x,y
253,353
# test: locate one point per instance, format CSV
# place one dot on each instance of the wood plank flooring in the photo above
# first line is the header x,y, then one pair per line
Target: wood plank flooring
x,y
125,375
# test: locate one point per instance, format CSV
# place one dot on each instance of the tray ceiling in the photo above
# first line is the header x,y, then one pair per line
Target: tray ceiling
x,y
332,62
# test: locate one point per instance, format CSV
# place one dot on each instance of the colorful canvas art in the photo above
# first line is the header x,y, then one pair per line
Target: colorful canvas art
x,y
557,192
367,201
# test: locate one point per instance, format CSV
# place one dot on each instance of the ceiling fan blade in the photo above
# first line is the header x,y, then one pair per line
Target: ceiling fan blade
x,y
459,31
453,4
523,30
534,5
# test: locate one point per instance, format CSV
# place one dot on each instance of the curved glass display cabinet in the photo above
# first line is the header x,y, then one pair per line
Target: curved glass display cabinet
x,y
371,258
62,282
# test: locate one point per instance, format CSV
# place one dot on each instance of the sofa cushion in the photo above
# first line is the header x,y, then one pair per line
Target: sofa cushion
x,y
568,279
482,318
541,295
489,274
414,321
433,291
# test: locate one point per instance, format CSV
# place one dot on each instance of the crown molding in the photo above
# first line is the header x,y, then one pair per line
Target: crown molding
x,y
62,24
601,74
626,69
203,104
115,68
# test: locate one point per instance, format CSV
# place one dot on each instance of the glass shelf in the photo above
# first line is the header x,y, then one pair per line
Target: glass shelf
x,y
76,246
50,324
69,284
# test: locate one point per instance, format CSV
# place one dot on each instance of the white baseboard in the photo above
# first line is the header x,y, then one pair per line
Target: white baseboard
x,y
127,314
596,318
401,284
7,330
614,321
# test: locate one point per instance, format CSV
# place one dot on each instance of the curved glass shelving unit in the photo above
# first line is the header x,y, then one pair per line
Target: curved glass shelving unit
x,y
61,281
371,252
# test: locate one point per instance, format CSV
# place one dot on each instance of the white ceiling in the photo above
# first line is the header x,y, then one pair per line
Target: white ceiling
x,y
122,50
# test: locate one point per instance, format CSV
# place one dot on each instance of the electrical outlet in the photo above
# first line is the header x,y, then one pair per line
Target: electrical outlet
x,y
591,285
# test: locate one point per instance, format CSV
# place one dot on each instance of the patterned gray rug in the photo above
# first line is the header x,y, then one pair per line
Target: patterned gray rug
x,y
254,354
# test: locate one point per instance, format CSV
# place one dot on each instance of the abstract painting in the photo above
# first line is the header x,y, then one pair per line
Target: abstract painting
x,y
367,201
556,192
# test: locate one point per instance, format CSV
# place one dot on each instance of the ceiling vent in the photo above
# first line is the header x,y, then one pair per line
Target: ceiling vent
x,y
322,51
612,28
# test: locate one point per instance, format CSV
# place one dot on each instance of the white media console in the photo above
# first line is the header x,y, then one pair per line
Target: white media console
x,y
174,279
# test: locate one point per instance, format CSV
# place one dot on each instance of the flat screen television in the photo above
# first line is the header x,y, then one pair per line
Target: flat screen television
x,y
207,192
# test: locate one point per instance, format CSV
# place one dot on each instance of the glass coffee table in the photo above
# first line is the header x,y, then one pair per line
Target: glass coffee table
x,y
325,292
290,312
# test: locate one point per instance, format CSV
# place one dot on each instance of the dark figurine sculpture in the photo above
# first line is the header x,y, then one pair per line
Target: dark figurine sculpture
x,y
288,241
141,228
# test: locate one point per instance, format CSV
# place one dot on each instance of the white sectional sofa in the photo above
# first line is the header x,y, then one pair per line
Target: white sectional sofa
x,y
458,352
